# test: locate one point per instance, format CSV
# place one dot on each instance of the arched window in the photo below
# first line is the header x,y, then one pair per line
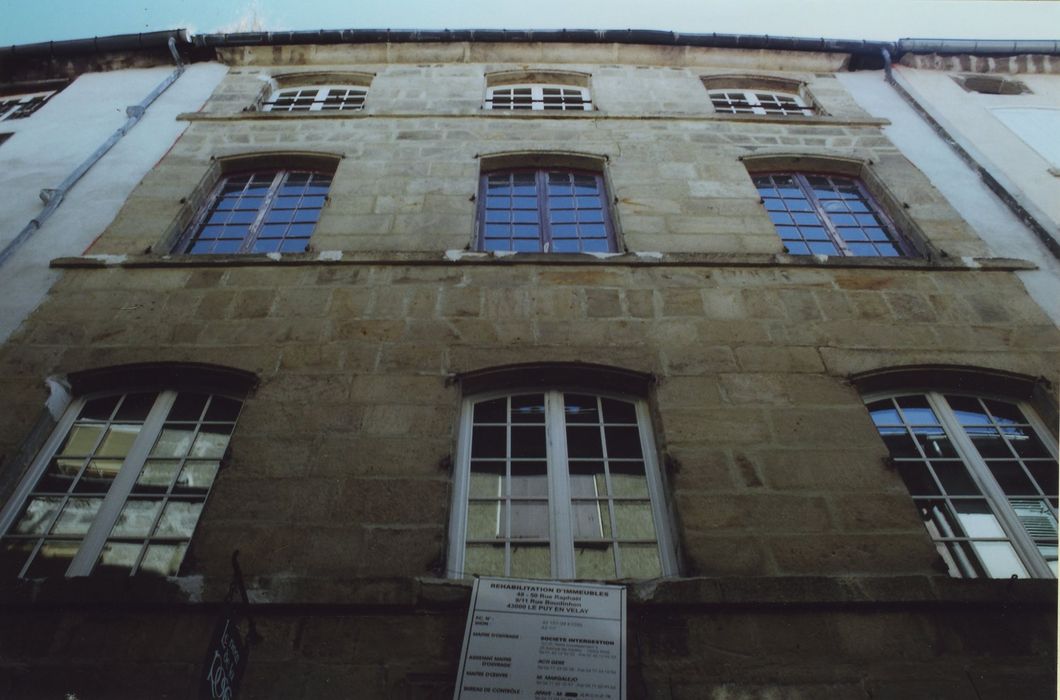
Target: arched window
x,y
982,471
549,210
260,211
121,482
558,483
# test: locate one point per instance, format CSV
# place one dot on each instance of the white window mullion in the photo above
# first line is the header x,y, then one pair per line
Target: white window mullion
x,y
85,559
560,522
996,498
656,492
461,485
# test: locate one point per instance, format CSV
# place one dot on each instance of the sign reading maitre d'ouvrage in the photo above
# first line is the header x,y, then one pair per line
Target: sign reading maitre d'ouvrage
x,y
543,640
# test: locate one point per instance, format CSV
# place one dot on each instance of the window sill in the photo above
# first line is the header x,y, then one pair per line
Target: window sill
x,y
536,114
463,257
438,593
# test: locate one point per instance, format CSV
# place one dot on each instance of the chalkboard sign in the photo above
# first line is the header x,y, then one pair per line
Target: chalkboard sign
x,y
225,660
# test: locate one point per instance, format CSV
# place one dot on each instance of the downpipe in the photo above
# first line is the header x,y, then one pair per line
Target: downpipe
x,y
53,197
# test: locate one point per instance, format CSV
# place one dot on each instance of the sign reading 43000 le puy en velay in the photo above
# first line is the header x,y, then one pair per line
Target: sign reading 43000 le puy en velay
x,y
543,640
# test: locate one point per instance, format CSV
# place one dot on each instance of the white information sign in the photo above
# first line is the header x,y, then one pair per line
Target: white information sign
x,y
543,640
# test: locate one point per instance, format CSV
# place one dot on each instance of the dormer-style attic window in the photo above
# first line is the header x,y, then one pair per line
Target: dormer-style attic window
x,y
317,92
538,90
761,95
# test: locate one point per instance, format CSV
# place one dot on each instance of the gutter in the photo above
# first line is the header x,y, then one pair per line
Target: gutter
x,y
96,45
52,198
1006,194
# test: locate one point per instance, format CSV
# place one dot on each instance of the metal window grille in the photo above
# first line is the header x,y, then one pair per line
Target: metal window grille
x,y
558,484
21,106
329,98
119,486
754,102
827,215
983,475
551,211
261,212
538,97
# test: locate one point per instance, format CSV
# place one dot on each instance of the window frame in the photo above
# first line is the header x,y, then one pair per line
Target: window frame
x,y
1015,533
543,219
18,103
319,99
537,98
117,495
192,233
561,539
902,245
752,97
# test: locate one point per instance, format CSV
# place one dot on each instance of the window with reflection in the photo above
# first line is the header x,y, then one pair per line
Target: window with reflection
x,y
271,211
119,486
544,211
558,484
818,214
983,474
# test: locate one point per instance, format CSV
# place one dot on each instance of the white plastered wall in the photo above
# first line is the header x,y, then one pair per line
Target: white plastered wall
x,y
995,223
46,146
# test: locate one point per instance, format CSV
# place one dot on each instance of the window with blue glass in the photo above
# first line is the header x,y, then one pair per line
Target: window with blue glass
x,y
544,211
260,212
828,215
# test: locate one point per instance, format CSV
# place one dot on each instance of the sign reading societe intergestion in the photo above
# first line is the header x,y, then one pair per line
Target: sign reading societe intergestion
x,y
543,640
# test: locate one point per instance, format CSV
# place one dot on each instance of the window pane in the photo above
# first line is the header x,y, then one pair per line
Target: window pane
x,y
528,441
118,440
628,480
623,442
594,562
211,441
77,516
174,441
954,478
977,520
163,559
587,479
53,558
484,520
136,518
484,560
118,556
98,476
196,477
999,559
489,442
529,520
580,408
583,441
179,518
531,561
487,479
634,521
156,475
528,409
82,440
37,515
187,407
529,480
640,561
592,520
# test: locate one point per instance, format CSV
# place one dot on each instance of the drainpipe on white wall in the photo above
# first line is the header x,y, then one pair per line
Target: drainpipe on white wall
x,y
1005,192
52,198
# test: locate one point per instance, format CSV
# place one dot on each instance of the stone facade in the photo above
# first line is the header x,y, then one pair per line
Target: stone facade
x,y
805,570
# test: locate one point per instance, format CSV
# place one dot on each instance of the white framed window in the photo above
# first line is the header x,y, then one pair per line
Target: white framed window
x,y
21,106
983,474
565,98
119,485
559,484
759,102
316,98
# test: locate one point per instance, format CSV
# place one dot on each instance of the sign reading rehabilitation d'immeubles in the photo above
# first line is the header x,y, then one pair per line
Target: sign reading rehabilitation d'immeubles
x,y
543,640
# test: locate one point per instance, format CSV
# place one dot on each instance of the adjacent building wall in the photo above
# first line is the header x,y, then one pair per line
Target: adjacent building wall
x,y
46,146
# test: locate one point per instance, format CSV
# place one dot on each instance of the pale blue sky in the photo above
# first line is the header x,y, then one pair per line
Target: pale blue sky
x,y
27,21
